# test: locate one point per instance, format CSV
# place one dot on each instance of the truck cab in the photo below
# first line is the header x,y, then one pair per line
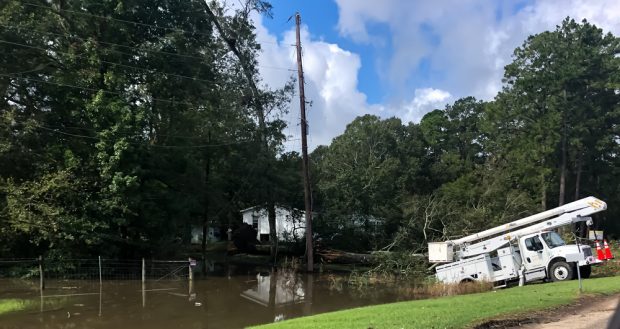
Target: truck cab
x,y
546,255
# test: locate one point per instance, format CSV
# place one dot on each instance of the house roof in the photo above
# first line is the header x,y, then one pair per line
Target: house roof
x,y
248,209
264,207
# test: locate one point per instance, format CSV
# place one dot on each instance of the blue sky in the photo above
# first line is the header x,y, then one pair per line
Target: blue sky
x,y
321,16
404,58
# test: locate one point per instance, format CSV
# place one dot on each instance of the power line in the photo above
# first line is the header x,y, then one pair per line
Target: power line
x,y
102,42
128,47
127,21
125,133
28,71
142,144
116,19
153,71
61,132
128,134
172,101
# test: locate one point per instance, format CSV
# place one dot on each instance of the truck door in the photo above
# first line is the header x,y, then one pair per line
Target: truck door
x,y
533,253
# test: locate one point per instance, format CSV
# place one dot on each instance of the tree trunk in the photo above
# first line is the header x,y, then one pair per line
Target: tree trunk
x,y
273,237
273,286
205,220
260,113
543,193
581,227
578,178
345,257
308,295
563,167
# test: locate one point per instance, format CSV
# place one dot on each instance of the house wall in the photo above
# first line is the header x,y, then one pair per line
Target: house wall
x,y
286,224
212,235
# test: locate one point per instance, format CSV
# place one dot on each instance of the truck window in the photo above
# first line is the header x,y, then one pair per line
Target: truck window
x,y
552,239
533,243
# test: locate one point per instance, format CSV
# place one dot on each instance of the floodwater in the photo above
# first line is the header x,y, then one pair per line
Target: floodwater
x,y
228,300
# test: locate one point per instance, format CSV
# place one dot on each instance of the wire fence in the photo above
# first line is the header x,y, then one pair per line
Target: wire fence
x,y
96,269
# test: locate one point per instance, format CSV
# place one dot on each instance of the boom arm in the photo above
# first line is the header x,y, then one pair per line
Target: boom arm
x,y
499,241
585,203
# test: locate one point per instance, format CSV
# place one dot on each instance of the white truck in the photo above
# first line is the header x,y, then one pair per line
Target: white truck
x,y
524,250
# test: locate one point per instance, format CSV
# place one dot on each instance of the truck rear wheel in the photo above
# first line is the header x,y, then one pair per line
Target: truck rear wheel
x,y
560,271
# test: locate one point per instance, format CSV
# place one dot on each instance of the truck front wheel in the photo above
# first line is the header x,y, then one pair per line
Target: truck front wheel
x,y
560,271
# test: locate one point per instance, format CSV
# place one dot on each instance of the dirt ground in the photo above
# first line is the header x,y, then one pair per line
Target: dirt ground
x,y
591,313
588,313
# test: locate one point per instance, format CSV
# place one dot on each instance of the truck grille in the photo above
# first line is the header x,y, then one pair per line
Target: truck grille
x,y
587,251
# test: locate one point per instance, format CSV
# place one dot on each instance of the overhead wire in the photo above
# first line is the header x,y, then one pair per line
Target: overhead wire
x,y
112,63
172,101
66,35
58,131
181,55
12,75
124,133
127,21
62,132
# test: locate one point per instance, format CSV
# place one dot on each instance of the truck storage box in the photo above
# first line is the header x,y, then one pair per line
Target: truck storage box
x,y
440,252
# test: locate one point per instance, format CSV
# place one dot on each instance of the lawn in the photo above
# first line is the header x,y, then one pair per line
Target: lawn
x,y
456,311
12,305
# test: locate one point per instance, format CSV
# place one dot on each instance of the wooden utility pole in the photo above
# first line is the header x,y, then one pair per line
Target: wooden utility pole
x,y
304,150
205,220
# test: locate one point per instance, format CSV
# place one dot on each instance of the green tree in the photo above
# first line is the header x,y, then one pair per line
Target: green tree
x,y
559,103
136,111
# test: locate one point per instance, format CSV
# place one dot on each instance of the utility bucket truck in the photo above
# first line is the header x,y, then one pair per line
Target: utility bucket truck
x,y
525,250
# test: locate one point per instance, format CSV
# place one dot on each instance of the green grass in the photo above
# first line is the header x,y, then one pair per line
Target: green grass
x,y
456,311
12,305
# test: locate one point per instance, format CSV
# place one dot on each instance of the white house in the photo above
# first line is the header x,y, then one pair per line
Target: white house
x,y
212,235
290,223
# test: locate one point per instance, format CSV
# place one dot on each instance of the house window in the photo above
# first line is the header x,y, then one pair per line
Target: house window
x,y
255,222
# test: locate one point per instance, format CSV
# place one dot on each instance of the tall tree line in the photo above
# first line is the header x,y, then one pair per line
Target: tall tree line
x,y
124,124
549,137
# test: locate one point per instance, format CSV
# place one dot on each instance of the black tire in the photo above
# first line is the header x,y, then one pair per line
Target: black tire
x,y
560,271
585,271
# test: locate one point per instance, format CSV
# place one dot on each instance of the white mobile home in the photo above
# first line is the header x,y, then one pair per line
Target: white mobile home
x,y
290,223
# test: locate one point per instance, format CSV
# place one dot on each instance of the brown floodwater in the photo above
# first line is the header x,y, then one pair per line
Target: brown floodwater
x,y
228,300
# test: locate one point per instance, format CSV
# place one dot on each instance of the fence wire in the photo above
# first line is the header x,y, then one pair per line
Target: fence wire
x,y
93,269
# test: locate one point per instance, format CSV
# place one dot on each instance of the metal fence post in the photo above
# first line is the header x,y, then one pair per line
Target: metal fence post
x,y
189,267
143,271
41,275
100,286
143,283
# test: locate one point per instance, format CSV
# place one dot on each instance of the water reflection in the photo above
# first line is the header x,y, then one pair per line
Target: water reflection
x,y
234,297
276,289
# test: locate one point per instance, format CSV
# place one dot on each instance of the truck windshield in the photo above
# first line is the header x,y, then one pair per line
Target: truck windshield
x,y
552,239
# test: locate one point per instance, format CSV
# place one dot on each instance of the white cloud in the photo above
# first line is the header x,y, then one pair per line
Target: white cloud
x,y
425,100
331,84
468,42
